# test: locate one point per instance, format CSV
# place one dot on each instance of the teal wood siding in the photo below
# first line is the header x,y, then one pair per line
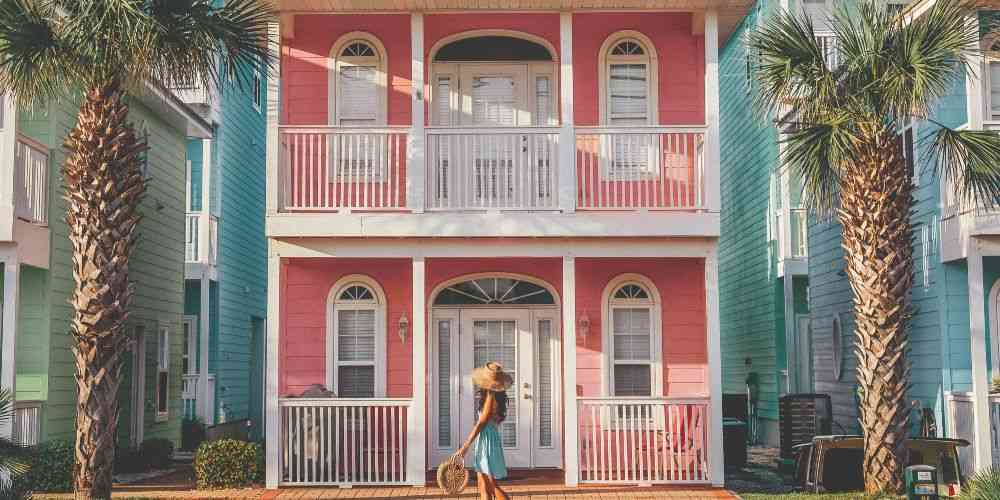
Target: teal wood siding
x,y
196,161
750,296
157,268
939,338
242,295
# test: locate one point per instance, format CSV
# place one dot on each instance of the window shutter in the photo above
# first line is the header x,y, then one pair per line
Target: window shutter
x,y
629,94
444,383
356,335
443,103
543,101
358,95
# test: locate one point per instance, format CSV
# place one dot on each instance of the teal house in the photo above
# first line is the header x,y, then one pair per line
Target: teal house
x,y
36,359
225,256
955,331
763,249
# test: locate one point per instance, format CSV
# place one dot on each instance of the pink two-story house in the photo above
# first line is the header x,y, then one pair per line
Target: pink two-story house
x,y
534,182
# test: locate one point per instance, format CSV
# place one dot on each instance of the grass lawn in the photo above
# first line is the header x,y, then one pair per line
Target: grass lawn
x,y
803,496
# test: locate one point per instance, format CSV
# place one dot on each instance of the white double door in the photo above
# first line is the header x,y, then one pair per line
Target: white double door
x,y
525,342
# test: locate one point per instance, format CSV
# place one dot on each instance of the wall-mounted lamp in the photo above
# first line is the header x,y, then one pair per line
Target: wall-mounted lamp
x,y
404,327
583,325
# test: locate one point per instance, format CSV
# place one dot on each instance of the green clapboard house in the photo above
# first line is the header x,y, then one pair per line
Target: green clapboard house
x,y
37,278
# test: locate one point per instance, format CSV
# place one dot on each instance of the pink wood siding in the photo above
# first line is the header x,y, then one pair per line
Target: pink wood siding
x,y
306,284
680,283
681,63
304,64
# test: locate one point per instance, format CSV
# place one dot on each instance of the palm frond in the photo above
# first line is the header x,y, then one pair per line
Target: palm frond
x,y
193,36
970,161
815,152
37,62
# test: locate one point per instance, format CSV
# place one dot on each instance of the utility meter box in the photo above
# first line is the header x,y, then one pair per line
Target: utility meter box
x,y
921,482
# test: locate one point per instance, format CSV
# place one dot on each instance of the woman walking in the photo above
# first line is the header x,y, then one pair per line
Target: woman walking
x,y
487,459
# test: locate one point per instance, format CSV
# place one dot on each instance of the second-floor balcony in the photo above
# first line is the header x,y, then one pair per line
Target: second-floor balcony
x,y
31,182
201,238
469,169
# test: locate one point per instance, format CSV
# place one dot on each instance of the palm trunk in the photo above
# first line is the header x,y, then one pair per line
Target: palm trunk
x,y
103,186
876,199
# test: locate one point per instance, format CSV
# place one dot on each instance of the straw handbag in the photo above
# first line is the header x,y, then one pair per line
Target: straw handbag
x,y
452,476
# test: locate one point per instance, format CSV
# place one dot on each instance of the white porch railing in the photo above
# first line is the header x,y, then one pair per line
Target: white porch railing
x,y
195,249
827,43
27,422
513,168
643,440
797,231
343,441
995,427
342,168
189,394
657,168
31,181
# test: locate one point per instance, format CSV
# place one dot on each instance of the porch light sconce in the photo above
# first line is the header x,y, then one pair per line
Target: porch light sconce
x,y
404,327
583,325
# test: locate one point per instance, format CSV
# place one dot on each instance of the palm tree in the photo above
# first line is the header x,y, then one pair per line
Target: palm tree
x,y
13,459
845,145
110,50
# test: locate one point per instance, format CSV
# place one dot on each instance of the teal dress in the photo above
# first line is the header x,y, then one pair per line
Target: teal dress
x,y
487,453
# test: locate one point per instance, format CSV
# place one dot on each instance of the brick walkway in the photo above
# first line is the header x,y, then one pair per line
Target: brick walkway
x,y
532,492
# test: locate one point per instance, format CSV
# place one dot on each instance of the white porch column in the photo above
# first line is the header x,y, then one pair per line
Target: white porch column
x,y
8,163
273,138
711,178
982,442
272,414
205,402
8,367
415,163
567,135
204,217
571,427
416,428
716,465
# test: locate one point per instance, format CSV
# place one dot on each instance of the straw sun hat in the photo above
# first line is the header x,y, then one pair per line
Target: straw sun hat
x,y
492,377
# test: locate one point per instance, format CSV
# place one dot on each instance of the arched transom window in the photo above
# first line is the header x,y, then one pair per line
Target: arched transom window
x,y
632,341
495,291
356,341
358,81
628,80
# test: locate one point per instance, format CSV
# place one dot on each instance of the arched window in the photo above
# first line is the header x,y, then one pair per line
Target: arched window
x,y
357,81
632,344
628,80
356,339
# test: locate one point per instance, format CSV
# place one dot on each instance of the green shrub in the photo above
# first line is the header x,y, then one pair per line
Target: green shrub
x,y
227,463
51,468
984,485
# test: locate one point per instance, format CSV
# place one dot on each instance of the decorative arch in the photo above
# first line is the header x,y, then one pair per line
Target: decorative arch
x,y
631,291
432,54
346,296
436,292
608,55
341,57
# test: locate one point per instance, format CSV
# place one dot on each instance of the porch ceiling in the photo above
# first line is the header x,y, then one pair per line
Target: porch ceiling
x,y
730,11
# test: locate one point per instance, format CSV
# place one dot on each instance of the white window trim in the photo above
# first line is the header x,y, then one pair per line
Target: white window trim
x,y
608,304
192,344
162,366
257,98
987,79
335,62
379,306
652,73
912,127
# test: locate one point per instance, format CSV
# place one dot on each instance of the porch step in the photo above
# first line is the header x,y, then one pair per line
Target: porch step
x,y
184,456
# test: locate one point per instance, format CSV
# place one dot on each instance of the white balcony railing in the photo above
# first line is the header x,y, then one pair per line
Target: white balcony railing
x,y
799,232
657,168
340,168
827,43
343,441
189,394
512,168
643,440
201,247
31,182
27,422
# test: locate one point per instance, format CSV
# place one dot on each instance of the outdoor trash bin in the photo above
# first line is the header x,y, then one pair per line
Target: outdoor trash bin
x,y
921,482
734,442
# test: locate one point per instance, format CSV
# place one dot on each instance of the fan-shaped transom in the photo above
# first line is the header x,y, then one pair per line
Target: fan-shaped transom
x,y
356,293
628,48
631,291
358,48
495,291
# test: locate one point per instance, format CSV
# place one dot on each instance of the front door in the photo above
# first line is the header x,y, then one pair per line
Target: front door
x,y
525,342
